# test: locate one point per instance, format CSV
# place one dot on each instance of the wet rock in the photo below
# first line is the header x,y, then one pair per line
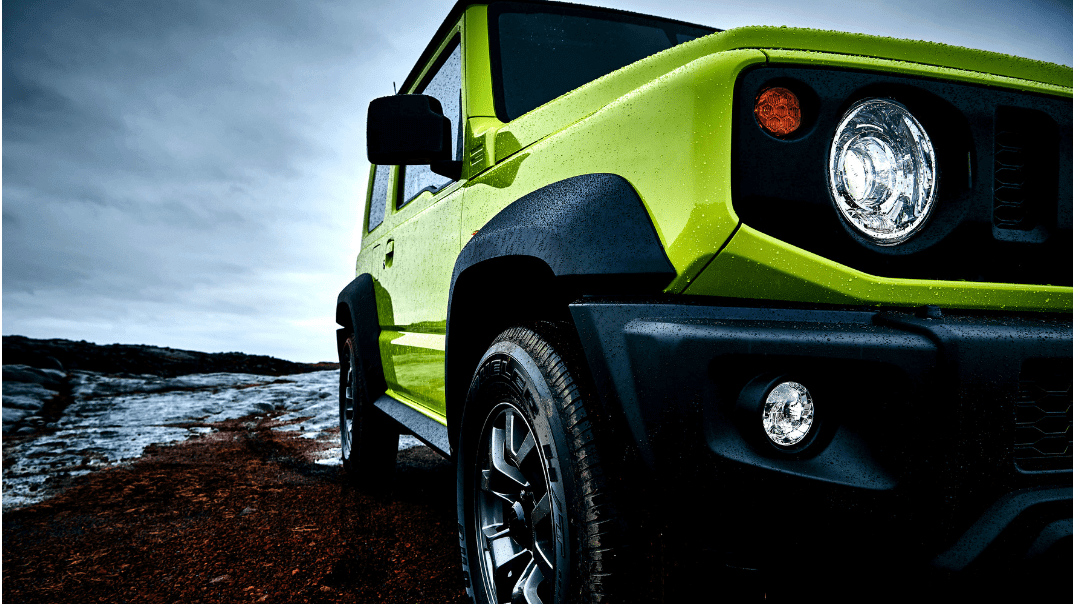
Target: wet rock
x,y
26,396
12,416
26,391
48,378
108,429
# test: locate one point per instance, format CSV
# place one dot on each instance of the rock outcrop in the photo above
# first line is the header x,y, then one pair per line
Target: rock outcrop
x,y
39,374
65,355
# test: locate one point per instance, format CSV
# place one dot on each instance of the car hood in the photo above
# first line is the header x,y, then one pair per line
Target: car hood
x,y
914,51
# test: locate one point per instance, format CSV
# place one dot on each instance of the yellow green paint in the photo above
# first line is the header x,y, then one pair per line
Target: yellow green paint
x,y
664,124
755,265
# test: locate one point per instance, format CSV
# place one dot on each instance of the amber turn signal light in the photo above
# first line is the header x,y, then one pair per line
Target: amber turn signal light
x,y
778,111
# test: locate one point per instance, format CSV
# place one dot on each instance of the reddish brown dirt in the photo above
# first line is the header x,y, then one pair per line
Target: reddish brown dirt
x,y
241,515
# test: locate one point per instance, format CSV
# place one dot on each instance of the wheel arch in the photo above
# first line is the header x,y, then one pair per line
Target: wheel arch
x,y
356,312
582,236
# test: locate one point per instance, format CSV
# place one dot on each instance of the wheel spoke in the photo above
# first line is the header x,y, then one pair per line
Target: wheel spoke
x,y
510,428
349,392
529,590
486,486
346,411
508,574
538,516
519,592
501,470
541,510
527,447
495,531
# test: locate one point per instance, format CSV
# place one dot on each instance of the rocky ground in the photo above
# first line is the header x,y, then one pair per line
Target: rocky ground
x,y
40,375
171,486
112,419
242,514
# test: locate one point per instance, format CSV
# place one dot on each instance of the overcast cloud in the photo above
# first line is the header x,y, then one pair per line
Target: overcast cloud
x,y
189,174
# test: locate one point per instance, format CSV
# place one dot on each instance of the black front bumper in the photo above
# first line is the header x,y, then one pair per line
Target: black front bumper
x,y
921,459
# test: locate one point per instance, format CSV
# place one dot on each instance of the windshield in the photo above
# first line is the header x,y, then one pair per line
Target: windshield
x,y
541,51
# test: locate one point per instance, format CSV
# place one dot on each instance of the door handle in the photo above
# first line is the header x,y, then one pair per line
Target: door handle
x,y
389,253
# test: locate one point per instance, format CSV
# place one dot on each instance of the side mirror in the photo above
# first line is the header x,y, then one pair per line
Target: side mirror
x,y
407,130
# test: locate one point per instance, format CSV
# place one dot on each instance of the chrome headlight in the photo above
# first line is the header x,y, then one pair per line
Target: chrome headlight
x,y
882,171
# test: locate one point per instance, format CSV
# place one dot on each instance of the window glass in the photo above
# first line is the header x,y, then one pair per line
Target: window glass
x,y
378,198
446,87
681,38
540,52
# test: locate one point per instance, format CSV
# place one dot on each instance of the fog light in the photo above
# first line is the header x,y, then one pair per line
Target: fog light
x,y
788,414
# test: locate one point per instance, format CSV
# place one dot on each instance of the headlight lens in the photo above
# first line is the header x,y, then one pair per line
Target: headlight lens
x,y
882,171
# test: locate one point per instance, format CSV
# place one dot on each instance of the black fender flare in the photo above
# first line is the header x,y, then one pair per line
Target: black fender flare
x,y
594,234
356,311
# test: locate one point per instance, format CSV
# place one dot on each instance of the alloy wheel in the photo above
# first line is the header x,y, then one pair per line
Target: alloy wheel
x,y
515,526
346,402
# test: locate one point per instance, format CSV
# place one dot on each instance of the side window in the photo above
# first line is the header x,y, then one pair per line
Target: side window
x,y
378,198
446,87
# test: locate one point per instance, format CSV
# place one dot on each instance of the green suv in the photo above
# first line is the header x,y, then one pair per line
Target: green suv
x,y
679,298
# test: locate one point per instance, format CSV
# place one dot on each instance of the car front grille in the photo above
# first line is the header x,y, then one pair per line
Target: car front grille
x,y
1025,175
1042,416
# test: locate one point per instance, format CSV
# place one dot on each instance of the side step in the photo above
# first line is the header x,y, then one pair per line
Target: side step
x,y
425,429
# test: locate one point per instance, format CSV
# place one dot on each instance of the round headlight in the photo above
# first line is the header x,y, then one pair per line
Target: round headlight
x,y
882,171
787,415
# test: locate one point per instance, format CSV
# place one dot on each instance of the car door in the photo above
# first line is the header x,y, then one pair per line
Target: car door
x,y
419,256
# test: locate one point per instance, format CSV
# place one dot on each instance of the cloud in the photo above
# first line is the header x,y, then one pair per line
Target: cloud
x,y
177,156
192,173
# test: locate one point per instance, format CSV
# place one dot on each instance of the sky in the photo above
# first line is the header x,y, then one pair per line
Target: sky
x,y
191,174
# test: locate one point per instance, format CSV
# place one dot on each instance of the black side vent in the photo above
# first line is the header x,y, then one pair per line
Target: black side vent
x,y
1042,418
1025,175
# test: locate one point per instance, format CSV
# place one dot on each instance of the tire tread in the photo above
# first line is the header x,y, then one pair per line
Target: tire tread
x,y
601,527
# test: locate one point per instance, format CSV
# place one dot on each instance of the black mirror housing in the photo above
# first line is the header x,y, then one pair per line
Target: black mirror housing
x,y
407,130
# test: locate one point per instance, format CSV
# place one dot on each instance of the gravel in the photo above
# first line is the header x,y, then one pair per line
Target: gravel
x,y
242,513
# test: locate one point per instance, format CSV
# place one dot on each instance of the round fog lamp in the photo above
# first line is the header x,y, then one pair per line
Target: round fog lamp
x,y
882,171
788,414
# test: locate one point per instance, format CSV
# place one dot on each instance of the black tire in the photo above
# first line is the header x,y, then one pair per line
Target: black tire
x,y
535,514
369,441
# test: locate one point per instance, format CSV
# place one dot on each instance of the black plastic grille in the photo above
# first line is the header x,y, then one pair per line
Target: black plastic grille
x,y
1042,416
1009,209
1024,176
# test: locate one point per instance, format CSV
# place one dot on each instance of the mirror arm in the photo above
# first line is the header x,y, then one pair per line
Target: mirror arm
x,y
449,169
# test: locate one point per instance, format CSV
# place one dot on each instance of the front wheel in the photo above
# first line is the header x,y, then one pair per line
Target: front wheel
x,y
537,522
368,441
